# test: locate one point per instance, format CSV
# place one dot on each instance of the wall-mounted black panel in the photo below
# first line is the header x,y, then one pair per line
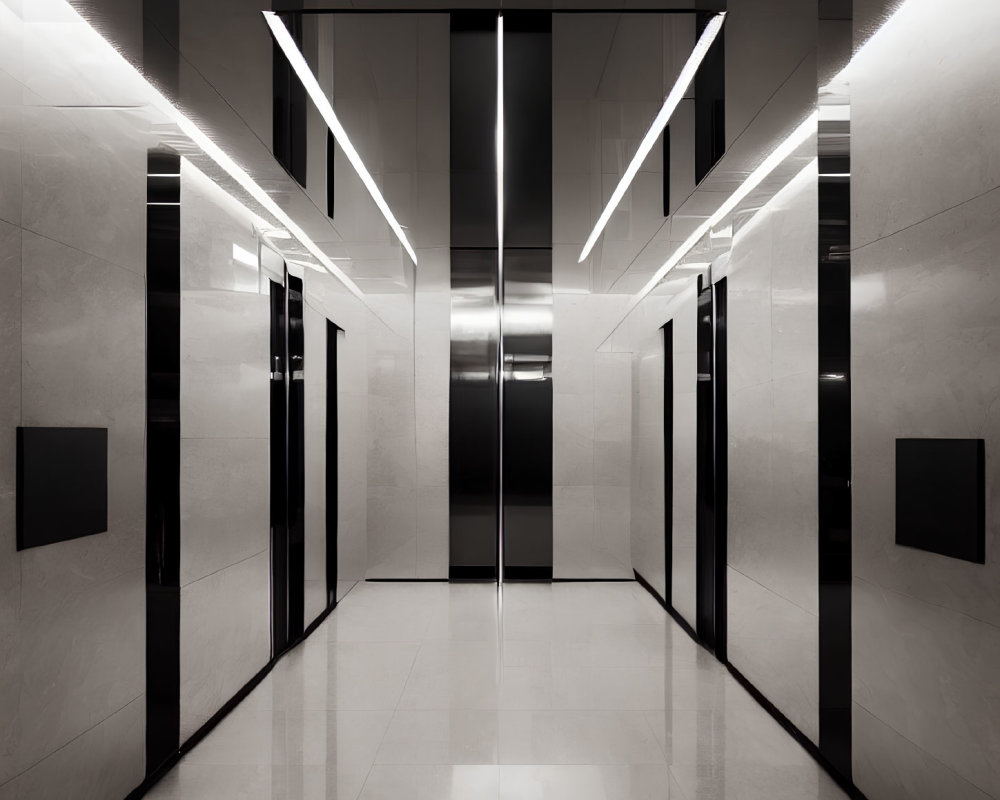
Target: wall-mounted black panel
x,y
527,129
527,412
709,104
941,496
163,457
473,129
62,484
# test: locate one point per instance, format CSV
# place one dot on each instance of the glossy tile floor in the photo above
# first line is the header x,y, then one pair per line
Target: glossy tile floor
x,y
423,691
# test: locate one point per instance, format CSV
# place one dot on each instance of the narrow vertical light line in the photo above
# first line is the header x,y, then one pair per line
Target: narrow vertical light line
x,y
500,298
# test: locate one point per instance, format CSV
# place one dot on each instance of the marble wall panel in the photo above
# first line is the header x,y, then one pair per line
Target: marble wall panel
x,y
924,364
315,460
225,636
773,457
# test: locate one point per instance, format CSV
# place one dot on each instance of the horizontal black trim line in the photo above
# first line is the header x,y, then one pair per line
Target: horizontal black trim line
x,y
406,580
852,791
153,778
464,573
515,574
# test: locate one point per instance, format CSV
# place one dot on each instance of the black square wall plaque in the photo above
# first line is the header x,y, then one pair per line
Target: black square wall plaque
x,y
941,496
62,484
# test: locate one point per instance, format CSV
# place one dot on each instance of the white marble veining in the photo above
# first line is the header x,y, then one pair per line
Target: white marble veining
x,y
426,691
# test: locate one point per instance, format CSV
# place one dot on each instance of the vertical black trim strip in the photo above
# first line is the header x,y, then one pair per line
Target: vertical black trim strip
x,y
721,435
705,473
666,171
279,470
332,463
834,445
296,458
668,461
163,456
331,154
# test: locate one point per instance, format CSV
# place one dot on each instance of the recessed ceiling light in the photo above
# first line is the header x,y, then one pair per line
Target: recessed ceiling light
x,y
312,87
670,104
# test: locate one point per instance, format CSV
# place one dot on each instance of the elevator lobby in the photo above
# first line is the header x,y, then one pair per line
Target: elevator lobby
x,y
557,400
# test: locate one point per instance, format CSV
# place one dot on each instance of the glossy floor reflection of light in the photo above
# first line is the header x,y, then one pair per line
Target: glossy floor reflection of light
x,y
408,690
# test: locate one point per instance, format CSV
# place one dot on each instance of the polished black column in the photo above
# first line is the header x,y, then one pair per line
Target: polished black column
x,y
527,297
279,471
289,99
163,456
296,458
474,430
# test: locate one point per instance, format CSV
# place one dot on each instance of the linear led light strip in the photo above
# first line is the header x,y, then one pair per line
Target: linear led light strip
x,y
298,62
219,156
670,104
797,137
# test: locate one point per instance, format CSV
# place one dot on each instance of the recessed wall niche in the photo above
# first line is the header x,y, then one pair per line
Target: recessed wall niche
x,y
62,484
941,496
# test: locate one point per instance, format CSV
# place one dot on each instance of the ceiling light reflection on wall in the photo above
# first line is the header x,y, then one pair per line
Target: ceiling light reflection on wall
x,y
298,63
670,104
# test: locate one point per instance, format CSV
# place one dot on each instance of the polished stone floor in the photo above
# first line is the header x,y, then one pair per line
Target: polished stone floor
x,y
421,691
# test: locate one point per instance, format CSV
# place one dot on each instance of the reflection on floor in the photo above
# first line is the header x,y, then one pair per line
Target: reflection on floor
x,y
409,690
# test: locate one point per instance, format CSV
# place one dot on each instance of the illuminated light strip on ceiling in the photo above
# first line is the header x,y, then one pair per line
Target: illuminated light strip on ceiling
x,y
797,137
670,104
500,293
221,158
298,63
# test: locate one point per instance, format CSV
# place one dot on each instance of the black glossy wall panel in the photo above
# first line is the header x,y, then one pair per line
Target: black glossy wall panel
x,y
527,409
941,496
666,171
528,130
474,430
834,446
163,454
62,484
473,129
